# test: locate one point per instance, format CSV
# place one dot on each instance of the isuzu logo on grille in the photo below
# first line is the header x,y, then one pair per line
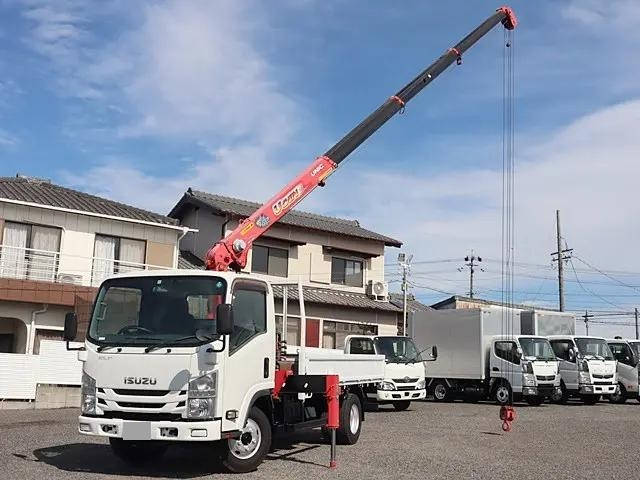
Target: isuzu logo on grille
x,y
140,381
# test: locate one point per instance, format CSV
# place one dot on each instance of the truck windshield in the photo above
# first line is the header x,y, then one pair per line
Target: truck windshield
x,y
636,348
594,347
537,347
153,310
397,349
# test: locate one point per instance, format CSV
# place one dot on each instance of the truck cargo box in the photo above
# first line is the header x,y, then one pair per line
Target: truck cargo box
x,y
544,323
462,337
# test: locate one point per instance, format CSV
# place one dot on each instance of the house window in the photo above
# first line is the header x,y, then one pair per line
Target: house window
x,y
29,251
116,255
346,272
293,329
270,260
334,333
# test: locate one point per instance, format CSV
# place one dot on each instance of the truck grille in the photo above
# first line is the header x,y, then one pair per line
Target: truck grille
x,y
595,375
405,380
545,378
141,393
602,383
403,388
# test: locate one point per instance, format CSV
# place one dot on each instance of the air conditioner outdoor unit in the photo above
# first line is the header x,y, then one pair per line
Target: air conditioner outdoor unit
x,y
69,278
378,290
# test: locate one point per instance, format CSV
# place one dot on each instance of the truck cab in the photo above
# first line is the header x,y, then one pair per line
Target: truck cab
x,y
587,367
404,372
523,366
627,370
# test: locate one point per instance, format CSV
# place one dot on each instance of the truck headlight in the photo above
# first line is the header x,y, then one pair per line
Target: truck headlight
x,y
421,384
529,380
386,386
583,366
88,395
584,377
202,391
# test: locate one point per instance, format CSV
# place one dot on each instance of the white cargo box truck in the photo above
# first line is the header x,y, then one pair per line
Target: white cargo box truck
x,y
481,354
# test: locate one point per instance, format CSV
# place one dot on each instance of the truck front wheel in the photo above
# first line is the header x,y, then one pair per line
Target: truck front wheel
x,y
244,454
620,395
350,420
402,405
441,392
137,452
503,393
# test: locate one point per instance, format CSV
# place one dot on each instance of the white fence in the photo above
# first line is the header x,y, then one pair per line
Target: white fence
x,y
20,373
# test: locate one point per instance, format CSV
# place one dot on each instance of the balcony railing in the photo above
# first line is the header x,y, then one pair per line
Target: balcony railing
x,y
42,265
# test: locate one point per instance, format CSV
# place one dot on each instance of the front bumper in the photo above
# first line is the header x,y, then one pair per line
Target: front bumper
x,y
540,390
160,430
597,389
399,395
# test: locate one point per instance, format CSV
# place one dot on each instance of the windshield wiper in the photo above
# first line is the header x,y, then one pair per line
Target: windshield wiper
x,y
104,347
203,337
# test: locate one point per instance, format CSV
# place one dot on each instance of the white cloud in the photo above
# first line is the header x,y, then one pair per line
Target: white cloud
x,y
7,139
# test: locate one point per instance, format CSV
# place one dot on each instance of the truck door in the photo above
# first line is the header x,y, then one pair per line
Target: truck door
x,y
627,366
566,363
249,365
505,363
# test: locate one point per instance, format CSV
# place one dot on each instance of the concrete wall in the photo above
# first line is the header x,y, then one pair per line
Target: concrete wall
x,y
57,396
78,236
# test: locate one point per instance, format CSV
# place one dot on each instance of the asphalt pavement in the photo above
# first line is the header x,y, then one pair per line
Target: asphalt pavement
x,y
439,441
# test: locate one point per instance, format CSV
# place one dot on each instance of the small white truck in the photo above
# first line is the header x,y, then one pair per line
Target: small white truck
x,y
191,356
627,371
478,360
404,372
587,368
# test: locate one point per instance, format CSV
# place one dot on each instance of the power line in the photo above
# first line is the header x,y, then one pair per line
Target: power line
x,y
606,274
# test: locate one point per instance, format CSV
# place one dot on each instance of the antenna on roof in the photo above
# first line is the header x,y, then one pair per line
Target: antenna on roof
x,y
33,179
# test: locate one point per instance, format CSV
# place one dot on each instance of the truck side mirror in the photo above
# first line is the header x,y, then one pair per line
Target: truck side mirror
x,y
224,319
70,326
434,352
572,355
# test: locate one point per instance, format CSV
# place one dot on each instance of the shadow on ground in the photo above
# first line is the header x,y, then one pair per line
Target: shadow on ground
x,y
180,461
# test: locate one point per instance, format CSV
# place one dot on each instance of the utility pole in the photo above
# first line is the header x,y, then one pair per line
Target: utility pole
x,y
586,317
471,263
636,323
562,256
405,265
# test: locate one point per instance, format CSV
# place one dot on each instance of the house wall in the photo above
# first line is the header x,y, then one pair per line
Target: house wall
x,y
309,257
50,321
78,236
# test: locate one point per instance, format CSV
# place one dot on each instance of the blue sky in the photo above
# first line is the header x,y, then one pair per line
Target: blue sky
x,y
137,101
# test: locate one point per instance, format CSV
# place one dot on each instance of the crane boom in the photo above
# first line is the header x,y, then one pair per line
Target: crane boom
x,y
231,251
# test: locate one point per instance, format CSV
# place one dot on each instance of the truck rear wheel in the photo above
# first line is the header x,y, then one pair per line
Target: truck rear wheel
x,y
350,420
137,452
400,406
441,391
244,454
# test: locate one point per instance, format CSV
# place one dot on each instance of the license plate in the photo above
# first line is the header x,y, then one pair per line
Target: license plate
x,y
136,431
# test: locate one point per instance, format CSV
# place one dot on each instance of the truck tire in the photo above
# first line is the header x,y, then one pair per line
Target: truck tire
x,y
350,420
244,454
502,393
590,399
534,400
561,398
400,406
620,395
137,452
441,391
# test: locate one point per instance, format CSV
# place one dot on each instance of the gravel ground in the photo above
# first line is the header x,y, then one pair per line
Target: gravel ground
x,y
427,441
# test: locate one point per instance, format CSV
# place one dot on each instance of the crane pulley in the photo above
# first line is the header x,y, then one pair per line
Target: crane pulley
x,y
231,251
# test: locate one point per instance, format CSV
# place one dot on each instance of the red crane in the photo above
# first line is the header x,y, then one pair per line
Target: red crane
x,y
231,251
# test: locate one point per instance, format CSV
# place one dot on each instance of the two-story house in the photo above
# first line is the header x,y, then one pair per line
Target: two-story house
x,y
339,264
57,245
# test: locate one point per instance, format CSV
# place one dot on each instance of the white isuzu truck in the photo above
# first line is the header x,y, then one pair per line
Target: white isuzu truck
x,y
191,356
627,371
404,372
587,368
480,357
